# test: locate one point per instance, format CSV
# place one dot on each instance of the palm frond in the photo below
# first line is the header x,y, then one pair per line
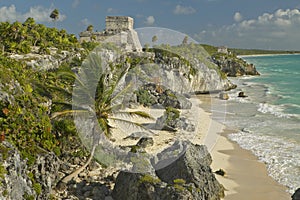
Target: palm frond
x,y
67,113
131,124
136,114
106,128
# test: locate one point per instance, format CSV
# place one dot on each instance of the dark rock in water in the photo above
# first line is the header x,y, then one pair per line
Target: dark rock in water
x,y
145,142
242,94
224,96
192,178
220,172
296,195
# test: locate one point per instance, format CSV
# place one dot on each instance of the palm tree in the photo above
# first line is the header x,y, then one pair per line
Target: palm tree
x,y
101,102
90,28
54,15
154,39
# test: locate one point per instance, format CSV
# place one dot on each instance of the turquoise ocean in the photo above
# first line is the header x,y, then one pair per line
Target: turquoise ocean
x,y
269,118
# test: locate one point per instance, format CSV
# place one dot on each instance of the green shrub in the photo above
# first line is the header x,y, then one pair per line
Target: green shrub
x,y
37,188
144,98
149,179
172,114
179,181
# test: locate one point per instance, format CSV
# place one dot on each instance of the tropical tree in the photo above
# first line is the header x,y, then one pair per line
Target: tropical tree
x,y
185,40
90,28
54,15
154,39
103,102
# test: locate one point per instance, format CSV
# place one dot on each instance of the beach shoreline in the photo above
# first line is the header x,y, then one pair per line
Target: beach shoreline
x,y
246,177
261,55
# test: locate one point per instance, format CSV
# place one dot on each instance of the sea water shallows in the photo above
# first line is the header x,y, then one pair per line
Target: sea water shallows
x,y
269,118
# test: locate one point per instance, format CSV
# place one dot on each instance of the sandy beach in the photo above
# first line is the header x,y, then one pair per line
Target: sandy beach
x,y
246,178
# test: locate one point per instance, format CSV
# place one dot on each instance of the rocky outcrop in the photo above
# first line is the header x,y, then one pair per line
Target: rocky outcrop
x,y
192,76
152,94
188,177
21,181
233,66
181,123
44,61
296,195
15,183
194,167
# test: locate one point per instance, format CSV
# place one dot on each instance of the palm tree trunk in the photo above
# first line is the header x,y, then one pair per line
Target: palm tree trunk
x,y
77,171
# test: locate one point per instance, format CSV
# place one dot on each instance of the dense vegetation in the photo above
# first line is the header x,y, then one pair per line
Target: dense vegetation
x,y
20,37
29,97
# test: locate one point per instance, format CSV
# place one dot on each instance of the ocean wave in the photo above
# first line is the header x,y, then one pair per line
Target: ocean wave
x,y
282,165
276,110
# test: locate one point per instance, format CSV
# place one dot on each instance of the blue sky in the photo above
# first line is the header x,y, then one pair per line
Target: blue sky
x,y
264,24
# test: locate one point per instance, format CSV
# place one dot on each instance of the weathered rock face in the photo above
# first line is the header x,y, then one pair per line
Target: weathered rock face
x,y
296,195
152,94
235,66
46,62
22,181
194,167
193,77
189,177
15,183
181,123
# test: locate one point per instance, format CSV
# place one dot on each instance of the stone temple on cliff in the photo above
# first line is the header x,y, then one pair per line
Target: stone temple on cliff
x,y
118,30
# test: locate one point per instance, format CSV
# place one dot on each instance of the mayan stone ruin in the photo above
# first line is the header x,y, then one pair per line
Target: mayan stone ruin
x,y
118,30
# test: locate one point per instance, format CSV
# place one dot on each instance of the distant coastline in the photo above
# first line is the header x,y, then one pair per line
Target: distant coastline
x,y
273,54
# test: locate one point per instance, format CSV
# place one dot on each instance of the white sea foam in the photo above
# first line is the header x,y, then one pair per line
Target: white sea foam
x,y
281,157
277,110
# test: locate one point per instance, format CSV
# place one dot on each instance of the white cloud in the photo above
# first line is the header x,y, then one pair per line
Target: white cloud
x,y
150,20
75,3
277,30
111,10
39,13
85,22
183,10
238,17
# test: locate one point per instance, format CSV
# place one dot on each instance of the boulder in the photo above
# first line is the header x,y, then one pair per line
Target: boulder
x,y
138,135
145,142
181,123
296,195
137,186
242,95
224,96
152,94
192,178
193,166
